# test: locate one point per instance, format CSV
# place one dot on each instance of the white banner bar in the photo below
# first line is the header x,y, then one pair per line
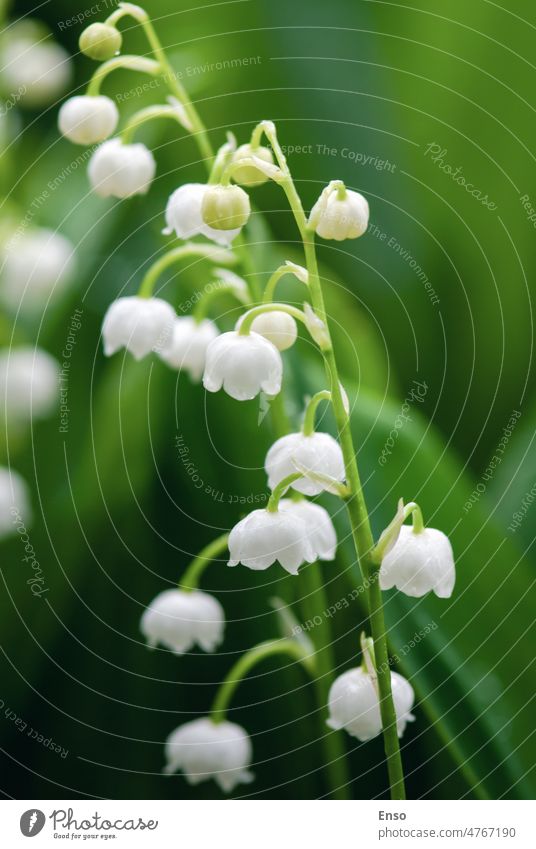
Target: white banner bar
x,y
269,824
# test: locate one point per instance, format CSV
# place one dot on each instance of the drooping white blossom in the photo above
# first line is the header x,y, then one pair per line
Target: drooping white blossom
x,y
88,120
187,346
263,537
29,383
14,502
121,170
37,265
275,325
140,325
179,620
320,530
202,749
339,217
318,453
183,216
419,561
243,365
354,704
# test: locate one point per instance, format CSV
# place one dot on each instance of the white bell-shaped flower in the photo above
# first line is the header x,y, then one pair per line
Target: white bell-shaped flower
x,y
121,170
29,383
244,365
140,325
355,707
339,214
203,749
180,620
183,216
36,67
14,502
275,325
319,453
187,346
263,537
320,530
419,561
41,263
88,120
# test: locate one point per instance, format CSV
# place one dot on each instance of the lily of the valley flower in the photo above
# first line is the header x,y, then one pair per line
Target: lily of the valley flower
x,y
88,120
183,216
14,502
180,620
320,530
34,65
187,346
277,326
203,749
421,560
243,365
140,325
40,263
339,213
265,536
121,170
354,704
317,453
225,207
29,383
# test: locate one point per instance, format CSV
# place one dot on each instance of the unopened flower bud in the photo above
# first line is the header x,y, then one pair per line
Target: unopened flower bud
x,y
225,207
249,175
100,41
339,213
277,326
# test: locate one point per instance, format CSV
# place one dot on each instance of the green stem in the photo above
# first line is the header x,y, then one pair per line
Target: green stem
x,y
308,426
356,505
250,659
145,115
209,252
131,63
170,77
279,491
190,579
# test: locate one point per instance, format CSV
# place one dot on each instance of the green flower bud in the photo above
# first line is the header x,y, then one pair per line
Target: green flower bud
x,y
248,175
100,42
225,207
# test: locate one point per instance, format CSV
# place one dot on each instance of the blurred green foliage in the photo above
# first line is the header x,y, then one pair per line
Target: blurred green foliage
x,y
117,515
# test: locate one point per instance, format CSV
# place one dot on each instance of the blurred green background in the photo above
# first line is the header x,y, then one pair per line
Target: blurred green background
x,y
368,92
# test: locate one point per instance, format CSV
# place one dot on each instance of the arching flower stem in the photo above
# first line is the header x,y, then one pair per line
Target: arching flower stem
x,y
204,251
280,490
150,113
130,63
308,426
190,579
251,315
242,667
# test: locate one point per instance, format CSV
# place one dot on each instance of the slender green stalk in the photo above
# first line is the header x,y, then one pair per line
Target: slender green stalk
x,y
190,579
308,426
150,113
176,255
356,505
129,63
244,665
